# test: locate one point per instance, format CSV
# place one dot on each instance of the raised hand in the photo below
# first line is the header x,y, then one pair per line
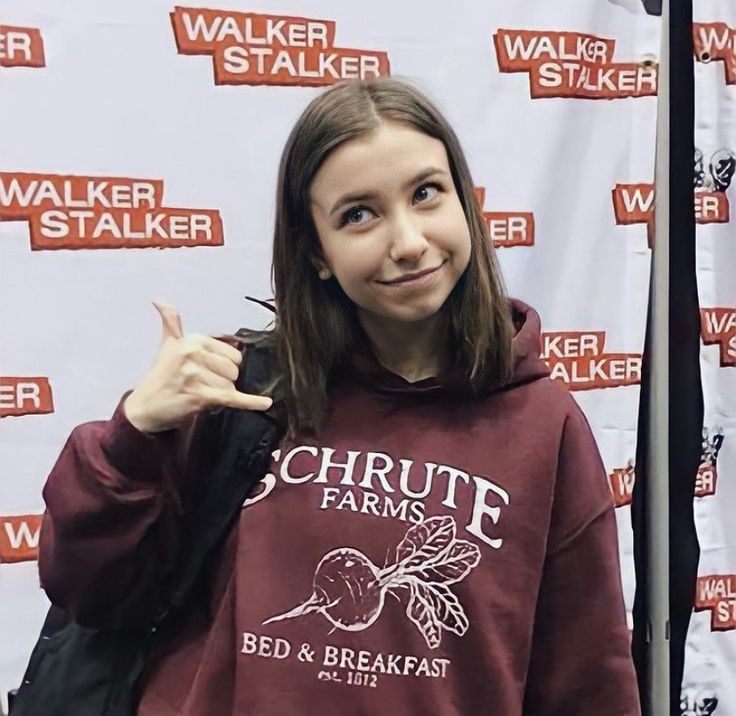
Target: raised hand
x,y
191,372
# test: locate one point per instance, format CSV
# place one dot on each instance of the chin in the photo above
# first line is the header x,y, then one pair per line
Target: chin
x,y
408,313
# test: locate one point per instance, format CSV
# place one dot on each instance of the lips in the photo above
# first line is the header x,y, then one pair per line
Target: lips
x,y
411,276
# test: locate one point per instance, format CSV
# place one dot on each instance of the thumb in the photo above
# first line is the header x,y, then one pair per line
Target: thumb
x,y
172,327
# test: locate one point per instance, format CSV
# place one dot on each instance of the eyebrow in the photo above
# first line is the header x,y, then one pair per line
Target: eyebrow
x,y
347,199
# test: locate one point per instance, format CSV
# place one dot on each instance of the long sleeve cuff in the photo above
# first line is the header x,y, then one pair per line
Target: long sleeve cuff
x,y
135,454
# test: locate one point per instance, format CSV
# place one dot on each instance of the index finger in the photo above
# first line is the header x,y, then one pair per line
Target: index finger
x,y
225,346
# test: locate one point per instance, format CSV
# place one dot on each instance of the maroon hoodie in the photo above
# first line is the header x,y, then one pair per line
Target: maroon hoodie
x,y
426,553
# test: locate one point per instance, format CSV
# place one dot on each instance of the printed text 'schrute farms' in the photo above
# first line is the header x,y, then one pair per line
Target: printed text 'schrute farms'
x,y
507,228
25,396
577,358
82,212
572,64
717,592
718,326
21,47
254,49
716,41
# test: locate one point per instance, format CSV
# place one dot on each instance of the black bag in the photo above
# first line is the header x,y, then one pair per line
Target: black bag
x,y
79,671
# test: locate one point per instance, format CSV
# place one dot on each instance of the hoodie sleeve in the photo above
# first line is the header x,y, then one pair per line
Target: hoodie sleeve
x,y
581,659
114,501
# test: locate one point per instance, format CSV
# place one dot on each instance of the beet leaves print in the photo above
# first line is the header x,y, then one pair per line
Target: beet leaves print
x,y
350,591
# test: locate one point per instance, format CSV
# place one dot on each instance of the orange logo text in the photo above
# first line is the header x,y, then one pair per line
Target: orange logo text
x,y
705,482
717,592
578,359
82,212
505,228
634,204
25,396
621,481
253,49
21,47
718,325
572,64
19,537
716,41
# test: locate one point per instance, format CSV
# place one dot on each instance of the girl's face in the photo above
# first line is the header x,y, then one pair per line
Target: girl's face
x,y
385,207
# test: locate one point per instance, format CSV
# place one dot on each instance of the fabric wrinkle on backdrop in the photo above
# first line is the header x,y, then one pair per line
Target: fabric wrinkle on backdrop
x,y
555,107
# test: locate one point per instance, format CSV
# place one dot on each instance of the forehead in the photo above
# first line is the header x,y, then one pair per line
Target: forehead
x,y
380,160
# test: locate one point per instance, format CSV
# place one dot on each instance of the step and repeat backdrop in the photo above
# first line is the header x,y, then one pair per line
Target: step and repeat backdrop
x,y
710,665
139,146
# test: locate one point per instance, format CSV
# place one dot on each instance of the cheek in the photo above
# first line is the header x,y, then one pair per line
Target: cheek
x,y
357,261
457,237
465,247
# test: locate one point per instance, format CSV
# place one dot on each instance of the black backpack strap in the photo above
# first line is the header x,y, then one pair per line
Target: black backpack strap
x,y
247,440
95,672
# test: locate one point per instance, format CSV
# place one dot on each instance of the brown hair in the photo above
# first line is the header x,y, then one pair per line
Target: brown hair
x,y
316,325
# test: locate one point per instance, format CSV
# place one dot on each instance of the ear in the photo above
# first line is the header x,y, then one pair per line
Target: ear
x,y
323,270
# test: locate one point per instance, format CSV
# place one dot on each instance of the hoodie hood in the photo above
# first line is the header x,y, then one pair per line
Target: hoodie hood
x,y
526,346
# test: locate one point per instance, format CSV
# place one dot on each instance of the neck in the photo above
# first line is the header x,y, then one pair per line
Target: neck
x,y
412,350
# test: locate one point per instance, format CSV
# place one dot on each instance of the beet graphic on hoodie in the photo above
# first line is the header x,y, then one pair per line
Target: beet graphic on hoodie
x,y
427,552
349,590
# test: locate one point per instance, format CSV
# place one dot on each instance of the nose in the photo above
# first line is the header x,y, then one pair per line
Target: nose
x,y
407,239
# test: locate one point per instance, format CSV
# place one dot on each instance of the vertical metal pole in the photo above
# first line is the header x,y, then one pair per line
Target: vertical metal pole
x,y
658,543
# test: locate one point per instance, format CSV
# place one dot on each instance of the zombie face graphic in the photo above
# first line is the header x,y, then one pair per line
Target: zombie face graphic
x,y
711,445
699,178
722,168
696,702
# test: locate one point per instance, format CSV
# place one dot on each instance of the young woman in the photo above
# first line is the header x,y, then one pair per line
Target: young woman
x,y
435,534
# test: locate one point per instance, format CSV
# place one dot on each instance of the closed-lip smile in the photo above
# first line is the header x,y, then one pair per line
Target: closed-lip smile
x,y
412,276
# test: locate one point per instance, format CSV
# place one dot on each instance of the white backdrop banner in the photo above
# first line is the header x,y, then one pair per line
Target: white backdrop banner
x,y
139,145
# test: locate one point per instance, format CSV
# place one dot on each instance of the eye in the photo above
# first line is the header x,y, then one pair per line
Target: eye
x,y
354,212
424,189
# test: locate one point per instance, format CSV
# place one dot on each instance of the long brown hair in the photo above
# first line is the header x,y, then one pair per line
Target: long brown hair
x,y
316,324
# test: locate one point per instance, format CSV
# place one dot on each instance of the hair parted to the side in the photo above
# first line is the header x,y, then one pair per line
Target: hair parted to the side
x,y
316,324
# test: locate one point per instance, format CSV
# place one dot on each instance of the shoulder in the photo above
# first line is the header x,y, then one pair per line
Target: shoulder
x,y
561,402
581,488
550,410
549,398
